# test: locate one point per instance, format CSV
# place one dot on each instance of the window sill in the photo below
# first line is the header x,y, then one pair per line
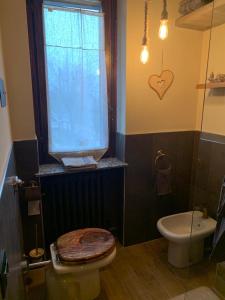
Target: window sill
x,y
57,169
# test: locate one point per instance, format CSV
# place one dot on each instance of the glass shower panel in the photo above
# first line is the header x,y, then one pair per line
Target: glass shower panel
x,y
209,164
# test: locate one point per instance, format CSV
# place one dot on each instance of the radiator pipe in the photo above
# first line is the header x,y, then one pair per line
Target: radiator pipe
x,y
39,264
31,266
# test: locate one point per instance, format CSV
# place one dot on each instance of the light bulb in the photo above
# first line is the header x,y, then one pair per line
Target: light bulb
x,y
144,54
163,29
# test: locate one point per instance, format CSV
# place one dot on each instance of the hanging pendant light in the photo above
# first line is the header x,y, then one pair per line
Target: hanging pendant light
x,y
144,57
163,29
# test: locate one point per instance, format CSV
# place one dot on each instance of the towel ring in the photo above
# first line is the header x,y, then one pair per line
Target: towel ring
x,y
160,154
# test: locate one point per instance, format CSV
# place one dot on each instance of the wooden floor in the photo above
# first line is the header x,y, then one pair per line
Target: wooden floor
x,y
141,272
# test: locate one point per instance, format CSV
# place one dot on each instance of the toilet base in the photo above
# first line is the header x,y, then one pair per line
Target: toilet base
x,y
75,281
70,287
185,254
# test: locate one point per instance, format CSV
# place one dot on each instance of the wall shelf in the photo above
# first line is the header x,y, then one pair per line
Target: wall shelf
x,y
201,18
215,85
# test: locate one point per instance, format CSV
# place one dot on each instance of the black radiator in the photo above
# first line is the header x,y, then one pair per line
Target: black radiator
x,y
78,200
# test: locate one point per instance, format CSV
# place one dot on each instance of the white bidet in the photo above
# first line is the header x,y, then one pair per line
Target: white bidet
x,y
186,233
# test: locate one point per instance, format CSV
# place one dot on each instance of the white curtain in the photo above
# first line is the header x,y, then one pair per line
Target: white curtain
x,y
76,81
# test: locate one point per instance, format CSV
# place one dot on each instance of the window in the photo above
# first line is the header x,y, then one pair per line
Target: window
x,y
72,57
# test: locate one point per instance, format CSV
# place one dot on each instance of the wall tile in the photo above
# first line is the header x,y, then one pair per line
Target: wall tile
x,y
26,156
143,207
11,237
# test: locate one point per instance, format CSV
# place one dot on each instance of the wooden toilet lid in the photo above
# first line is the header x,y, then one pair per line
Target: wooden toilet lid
x,y
83,245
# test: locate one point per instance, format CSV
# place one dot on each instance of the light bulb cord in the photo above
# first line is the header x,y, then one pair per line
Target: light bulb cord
x,y
162,62
164,15
144,40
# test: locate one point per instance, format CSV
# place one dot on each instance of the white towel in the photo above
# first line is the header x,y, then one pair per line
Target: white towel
x,y
72,163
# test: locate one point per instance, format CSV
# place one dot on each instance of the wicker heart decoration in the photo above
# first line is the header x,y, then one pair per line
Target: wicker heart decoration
x,y
161,84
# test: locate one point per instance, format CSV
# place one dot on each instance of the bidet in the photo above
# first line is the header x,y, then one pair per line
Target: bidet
x,y
186,233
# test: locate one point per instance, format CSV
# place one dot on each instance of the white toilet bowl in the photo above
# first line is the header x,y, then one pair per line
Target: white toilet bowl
x,y
186,233
77,257
75,282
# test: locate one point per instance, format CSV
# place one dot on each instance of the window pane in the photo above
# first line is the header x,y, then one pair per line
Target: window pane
x,y
76,80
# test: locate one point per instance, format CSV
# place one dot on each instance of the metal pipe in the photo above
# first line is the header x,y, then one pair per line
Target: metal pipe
x,y
39,264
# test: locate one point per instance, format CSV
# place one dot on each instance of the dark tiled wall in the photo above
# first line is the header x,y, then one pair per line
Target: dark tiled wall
x,y
208,172
26,156
10,235
142,205
198,169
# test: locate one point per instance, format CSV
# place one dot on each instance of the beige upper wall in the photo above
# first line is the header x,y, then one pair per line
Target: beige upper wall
x,y
182,55
5,134
140,110
17,67
214,106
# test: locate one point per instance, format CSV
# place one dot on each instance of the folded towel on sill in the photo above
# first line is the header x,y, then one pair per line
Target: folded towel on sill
x,y
76,163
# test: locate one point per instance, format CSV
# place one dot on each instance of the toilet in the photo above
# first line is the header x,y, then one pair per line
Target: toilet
x,y
77,257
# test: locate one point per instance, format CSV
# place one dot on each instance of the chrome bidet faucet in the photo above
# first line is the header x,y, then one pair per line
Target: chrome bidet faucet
x,y
205,213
